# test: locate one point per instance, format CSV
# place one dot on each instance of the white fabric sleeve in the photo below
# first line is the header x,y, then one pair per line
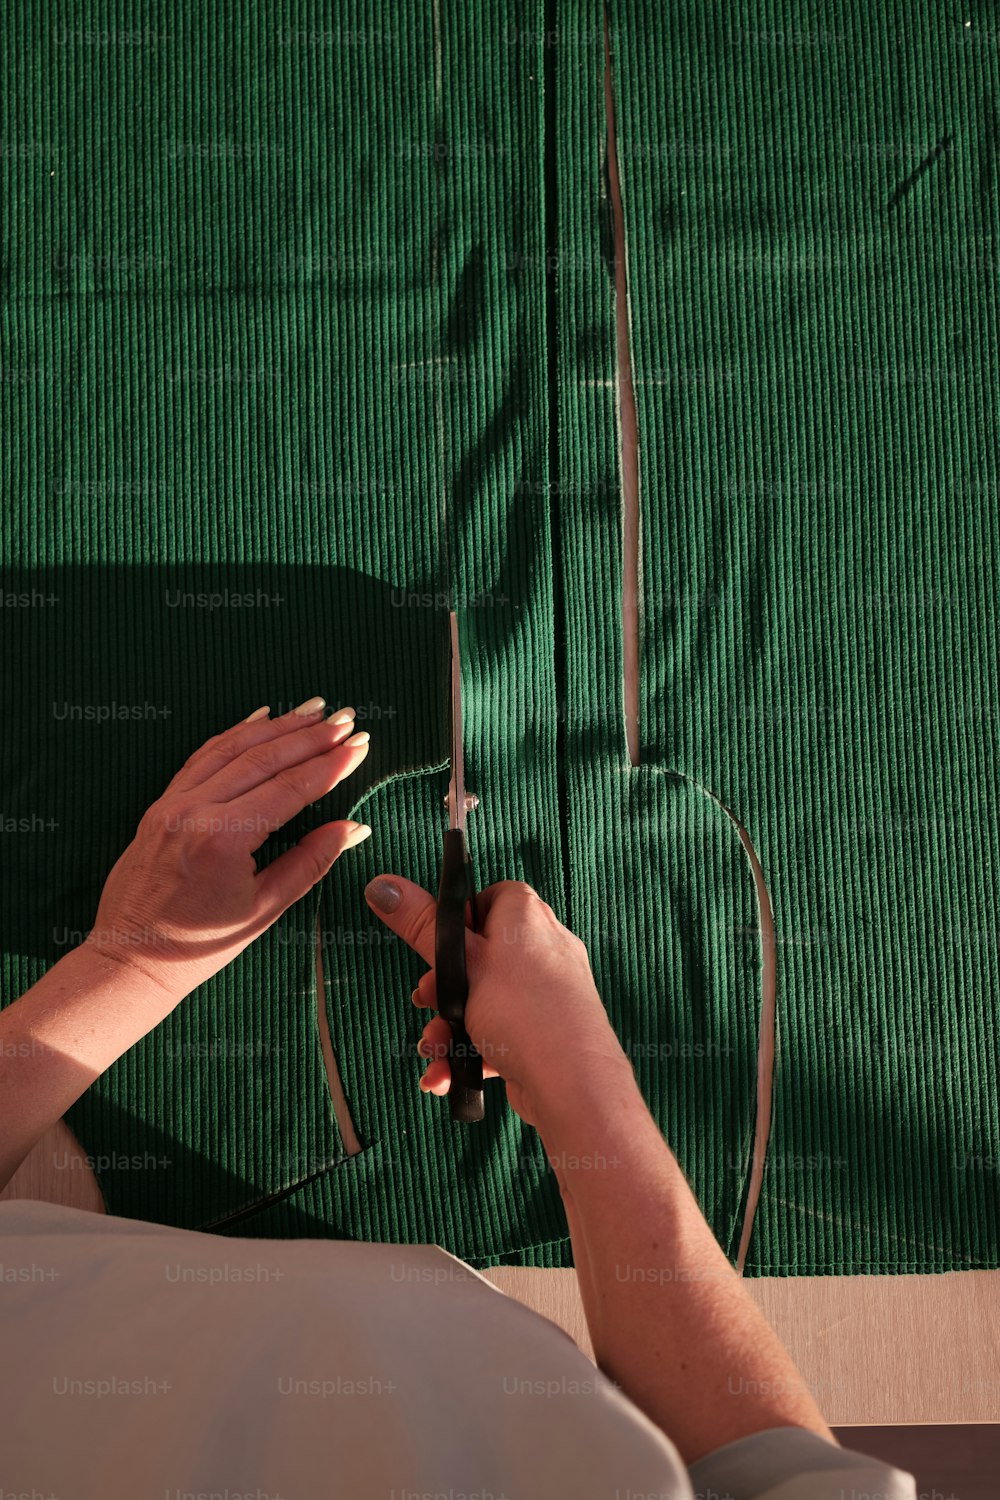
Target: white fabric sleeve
x,y
789,1463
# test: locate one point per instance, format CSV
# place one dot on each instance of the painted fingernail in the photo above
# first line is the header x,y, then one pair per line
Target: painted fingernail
x,y
342,716
260,714
310,706
358,739
358,834
383,894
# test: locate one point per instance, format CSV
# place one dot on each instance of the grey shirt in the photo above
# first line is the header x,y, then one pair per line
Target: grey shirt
x,y
142,1360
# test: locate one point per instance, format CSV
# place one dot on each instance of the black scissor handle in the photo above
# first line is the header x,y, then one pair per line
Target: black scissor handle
x,y
455,893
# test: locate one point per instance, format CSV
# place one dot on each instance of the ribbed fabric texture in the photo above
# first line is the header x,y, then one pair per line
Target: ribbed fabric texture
x,y
658,880
273,324
811,213
315,313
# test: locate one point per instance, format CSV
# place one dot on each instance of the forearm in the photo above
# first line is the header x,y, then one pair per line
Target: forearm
x,y
62,1034
670,1320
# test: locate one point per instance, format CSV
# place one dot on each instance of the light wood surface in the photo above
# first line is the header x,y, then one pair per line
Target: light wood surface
x,y
872,1349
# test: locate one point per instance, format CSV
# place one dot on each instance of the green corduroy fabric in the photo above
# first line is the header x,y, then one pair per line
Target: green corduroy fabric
x,y
315,312
658,881
811,214
274,308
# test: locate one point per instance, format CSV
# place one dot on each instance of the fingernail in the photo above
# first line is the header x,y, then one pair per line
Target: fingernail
x,y
310,706
260,714
383,894
358,739
342,716
358,834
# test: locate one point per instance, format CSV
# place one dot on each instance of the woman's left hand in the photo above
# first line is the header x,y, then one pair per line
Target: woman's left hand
x,y
185,897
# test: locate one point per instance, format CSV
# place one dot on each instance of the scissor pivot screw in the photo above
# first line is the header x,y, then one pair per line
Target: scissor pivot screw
x,y
471,801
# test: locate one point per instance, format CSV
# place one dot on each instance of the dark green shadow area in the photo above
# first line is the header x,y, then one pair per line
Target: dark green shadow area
x,y
115,675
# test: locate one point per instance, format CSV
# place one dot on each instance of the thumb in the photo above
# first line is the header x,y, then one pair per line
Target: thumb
x,y
288,878
409,910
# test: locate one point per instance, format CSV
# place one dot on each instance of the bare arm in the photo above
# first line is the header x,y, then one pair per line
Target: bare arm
x,y
671,1322
60,1035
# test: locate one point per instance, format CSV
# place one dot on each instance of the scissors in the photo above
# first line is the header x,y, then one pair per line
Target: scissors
x,y
456,894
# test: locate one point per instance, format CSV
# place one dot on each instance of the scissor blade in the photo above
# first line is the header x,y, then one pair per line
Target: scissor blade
x,y
456,786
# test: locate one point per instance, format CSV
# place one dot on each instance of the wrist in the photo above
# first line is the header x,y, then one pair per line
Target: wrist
x,y
594,1115
97,964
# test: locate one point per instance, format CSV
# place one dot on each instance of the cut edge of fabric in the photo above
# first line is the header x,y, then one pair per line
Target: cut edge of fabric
x,y
767,1033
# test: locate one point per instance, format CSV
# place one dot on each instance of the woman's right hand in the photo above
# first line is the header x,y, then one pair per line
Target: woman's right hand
x,y
533,1012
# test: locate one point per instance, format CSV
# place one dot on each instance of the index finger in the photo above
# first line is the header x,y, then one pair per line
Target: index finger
x,y
220,749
